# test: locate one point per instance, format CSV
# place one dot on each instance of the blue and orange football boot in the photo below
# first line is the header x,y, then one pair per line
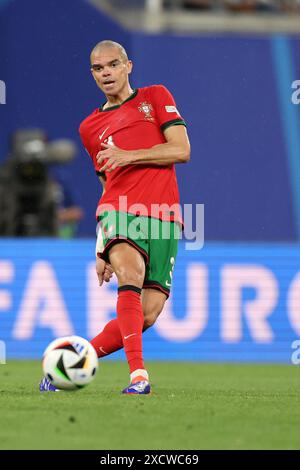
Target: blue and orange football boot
x,y
138,388
46,386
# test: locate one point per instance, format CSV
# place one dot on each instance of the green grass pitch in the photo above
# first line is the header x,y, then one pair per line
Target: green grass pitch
x,y
193,406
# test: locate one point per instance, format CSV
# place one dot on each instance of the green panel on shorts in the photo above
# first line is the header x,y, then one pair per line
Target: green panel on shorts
x,y
157,240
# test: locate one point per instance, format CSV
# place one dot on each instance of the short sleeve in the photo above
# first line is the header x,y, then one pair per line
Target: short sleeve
x,y
167,113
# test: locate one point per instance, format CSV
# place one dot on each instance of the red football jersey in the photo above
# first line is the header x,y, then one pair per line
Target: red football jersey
x,y
138,123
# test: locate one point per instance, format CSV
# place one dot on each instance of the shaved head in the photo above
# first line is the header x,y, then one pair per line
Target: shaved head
x,y
107,44
111,68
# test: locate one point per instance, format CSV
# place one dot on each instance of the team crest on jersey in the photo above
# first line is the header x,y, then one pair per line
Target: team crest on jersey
x,y
147,109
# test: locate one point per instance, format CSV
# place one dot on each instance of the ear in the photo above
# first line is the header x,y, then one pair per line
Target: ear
x,y
92,72
129,66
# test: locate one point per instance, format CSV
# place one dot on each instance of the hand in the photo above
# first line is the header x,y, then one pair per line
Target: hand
x,y
108,272
114,157
104,271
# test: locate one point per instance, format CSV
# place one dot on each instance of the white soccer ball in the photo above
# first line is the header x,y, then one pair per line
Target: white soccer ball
x,y
70,362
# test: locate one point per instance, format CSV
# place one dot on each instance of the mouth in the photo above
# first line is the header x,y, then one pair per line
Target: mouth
x,y
108,82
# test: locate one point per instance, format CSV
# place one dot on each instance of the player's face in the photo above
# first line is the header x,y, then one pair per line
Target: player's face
x,y
110,70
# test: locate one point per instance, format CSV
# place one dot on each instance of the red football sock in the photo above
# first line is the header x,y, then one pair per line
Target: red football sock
x,y
131,320
109,340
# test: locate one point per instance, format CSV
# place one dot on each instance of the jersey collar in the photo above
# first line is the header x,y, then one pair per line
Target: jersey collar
x,y
111,108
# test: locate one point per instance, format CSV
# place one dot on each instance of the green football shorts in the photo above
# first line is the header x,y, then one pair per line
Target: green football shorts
x,y
156,240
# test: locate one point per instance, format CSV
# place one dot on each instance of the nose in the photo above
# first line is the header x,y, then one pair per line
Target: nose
x,y
106,71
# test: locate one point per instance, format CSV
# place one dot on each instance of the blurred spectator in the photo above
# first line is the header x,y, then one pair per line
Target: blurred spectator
x,y
240,5
290,6
198,4
251,5
69,212
32,203
230,6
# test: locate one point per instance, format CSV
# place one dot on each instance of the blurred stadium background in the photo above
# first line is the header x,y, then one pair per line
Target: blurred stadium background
x,y
231,66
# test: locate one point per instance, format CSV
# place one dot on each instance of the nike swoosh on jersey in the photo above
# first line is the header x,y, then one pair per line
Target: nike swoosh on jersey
x,y
101,135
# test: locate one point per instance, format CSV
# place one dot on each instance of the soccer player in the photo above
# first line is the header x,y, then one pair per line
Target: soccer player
x,y
134,140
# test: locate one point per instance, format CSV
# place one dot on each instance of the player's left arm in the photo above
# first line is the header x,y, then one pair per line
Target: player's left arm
x,y
176,149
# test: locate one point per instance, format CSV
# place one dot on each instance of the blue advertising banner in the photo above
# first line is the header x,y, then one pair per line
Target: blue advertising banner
x,y
229,302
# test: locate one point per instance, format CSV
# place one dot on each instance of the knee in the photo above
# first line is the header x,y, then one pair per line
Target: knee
x,y
129,276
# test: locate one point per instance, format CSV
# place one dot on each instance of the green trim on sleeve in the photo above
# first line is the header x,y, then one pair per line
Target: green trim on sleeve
x,y
174,122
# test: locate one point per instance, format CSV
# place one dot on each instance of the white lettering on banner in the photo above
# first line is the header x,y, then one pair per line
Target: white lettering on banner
x,y
101,301
234,278
293,303
42,305
193,324
7,273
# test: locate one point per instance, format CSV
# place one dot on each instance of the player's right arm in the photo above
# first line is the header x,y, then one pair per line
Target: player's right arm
x,y
104,270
